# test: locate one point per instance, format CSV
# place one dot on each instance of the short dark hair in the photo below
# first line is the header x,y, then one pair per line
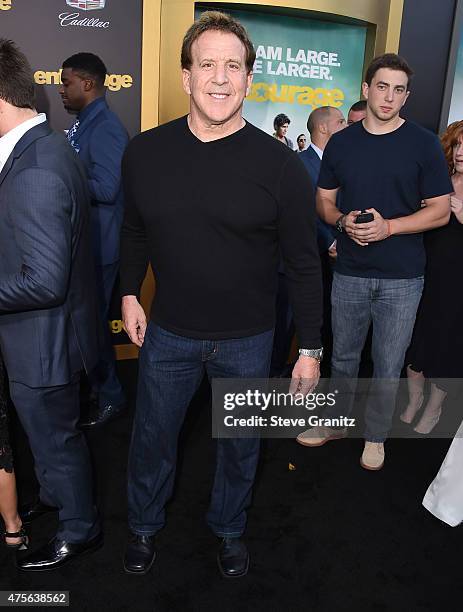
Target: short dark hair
x,y
300,136
318,115
88,65
280,120
391,61
16,79
361,105
216,20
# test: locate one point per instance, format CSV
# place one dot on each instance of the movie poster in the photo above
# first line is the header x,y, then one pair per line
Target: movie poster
x,y
301,64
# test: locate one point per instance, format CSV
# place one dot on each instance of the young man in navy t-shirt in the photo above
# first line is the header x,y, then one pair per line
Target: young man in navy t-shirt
x,y
386,166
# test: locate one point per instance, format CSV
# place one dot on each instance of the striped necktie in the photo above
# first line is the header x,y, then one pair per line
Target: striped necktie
x,y
71,133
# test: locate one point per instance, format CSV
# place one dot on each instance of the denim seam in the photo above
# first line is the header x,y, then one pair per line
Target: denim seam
x,y
232,534
142,532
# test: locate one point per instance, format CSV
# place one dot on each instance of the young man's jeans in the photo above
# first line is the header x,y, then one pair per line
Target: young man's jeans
x,y
171,368
391,305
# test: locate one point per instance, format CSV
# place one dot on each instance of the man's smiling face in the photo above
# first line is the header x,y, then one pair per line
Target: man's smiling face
x,y
217,81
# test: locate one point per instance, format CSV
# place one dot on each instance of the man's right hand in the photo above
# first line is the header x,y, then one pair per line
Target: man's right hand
x,y
134,319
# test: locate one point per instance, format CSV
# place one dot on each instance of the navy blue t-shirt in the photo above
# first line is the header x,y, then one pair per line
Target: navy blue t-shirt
x,y
392,173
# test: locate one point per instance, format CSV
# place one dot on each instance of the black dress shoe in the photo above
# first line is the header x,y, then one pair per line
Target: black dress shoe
x,y
139,554
100,416
56,553
233,558
34,510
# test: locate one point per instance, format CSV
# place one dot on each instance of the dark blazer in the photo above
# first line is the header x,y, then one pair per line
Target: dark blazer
x,y
325,233
48,314
100,142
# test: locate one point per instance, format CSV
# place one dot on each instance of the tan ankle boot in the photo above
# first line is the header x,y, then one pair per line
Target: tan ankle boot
x,y
317,436
373,456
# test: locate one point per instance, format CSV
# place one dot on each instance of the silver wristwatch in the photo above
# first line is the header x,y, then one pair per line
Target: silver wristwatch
x,y
315,353
339,226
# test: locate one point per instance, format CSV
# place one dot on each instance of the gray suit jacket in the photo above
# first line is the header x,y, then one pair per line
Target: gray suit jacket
x,y
48,313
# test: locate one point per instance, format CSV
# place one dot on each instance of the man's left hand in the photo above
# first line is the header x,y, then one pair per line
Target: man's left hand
x,y
373,231
305,376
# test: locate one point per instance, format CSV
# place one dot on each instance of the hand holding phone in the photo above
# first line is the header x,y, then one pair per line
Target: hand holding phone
x,y
364,217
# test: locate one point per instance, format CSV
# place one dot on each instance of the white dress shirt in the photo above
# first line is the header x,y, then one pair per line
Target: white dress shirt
x,y
318,151
11,138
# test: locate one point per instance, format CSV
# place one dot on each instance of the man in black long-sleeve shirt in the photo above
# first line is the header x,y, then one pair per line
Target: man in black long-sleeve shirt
x,y
210,201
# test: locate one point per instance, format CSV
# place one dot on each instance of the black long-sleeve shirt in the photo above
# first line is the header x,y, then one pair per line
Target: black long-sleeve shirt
x,y
212,217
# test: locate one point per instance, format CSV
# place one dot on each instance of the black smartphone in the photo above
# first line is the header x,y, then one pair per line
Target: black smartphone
x,y
364,217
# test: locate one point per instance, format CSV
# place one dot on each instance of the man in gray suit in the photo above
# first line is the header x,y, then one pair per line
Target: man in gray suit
x,y
48,313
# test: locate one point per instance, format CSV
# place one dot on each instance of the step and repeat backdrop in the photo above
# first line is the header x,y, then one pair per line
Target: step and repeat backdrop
x,y
301,64
49,31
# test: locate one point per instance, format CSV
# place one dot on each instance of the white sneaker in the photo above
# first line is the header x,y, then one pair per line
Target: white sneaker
x,y
373,456
317,436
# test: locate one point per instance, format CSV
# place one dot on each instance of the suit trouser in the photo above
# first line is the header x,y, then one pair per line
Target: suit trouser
x,y
109,388
49,416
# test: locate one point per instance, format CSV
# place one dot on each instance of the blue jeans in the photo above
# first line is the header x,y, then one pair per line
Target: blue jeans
x,y
171,368
391,305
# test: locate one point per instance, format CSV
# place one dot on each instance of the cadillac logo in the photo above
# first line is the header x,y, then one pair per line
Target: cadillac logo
x,y
86,5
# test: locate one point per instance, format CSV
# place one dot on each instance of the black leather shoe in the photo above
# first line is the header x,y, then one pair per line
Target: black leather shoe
x,y
139,554
100,416
56,553
34,510
233,558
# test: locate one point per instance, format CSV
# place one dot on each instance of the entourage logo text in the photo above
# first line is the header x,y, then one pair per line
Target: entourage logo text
x,y
114,82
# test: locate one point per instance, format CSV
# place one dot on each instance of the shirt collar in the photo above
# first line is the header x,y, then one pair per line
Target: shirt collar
x,y
11,138
318,151
85,112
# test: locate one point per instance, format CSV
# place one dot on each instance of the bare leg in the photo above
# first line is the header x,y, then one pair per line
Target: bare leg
x,y
432,412
9,505
415,382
